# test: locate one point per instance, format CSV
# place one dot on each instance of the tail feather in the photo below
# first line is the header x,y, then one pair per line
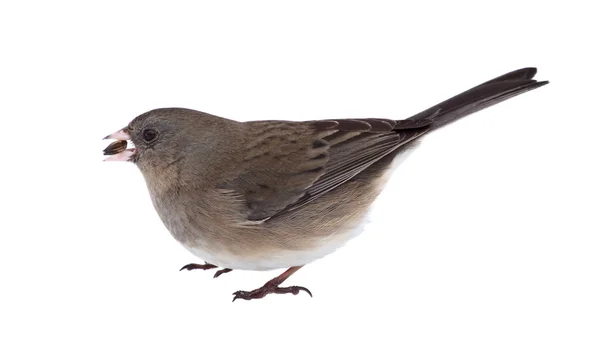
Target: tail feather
x,y
478,98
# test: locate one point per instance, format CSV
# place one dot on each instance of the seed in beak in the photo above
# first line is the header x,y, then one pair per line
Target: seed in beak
x,y
116,147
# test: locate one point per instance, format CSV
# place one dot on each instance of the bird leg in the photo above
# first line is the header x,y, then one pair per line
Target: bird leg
x,y
205,266
272,287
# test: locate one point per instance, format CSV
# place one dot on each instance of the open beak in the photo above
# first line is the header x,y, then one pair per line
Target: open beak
x,y
118,149
122,134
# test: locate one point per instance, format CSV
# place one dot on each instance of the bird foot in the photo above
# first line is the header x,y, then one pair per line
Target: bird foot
x,y
268,289
272,287
205,266
221,272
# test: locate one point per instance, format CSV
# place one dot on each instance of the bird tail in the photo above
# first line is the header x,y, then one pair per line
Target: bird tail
x,y
478,98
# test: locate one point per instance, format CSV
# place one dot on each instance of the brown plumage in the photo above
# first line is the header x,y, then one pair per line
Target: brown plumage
x,y
270,194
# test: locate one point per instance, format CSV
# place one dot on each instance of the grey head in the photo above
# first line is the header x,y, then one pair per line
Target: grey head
x,y
194,141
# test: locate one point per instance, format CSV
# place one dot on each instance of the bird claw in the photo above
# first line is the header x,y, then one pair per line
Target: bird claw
x,y
205,266
221,272
265,290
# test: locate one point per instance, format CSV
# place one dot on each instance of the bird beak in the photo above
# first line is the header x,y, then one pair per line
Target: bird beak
x,y
122,134
118,149
125,155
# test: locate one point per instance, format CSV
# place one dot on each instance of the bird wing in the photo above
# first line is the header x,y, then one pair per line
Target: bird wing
x,y
289,164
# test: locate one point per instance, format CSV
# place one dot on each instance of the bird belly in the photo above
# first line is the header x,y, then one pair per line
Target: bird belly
x,y
275,257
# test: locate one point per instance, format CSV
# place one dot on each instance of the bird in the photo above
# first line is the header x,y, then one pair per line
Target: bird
x,y
275,194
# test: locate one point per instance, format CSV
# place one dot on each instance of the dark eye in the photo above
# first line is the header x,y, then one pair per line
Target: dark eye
x,y
149,134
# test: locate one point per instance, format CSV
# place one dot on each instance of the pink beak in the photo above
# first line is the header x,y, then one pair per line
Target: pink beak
x,y
124,155
119,135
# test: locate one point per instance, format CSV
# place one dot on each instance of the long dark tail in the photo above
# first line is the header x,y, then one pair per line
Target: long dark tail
x,y
478,98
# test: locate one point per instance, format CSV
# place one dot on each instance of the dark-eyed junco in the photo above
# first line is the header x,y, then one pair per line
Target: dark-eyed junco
x,y
265,195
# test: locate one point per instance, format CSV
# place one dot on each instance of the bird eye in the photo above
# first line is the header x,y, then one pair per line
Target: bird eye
x,y
149,134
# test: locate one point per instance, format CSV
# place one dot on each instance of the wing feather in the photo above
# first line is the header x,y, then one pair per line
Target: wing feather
x,y
289,164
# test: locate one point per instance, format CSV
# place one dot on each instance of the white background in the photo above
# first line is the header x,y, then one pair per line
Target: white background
x,y
483,246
